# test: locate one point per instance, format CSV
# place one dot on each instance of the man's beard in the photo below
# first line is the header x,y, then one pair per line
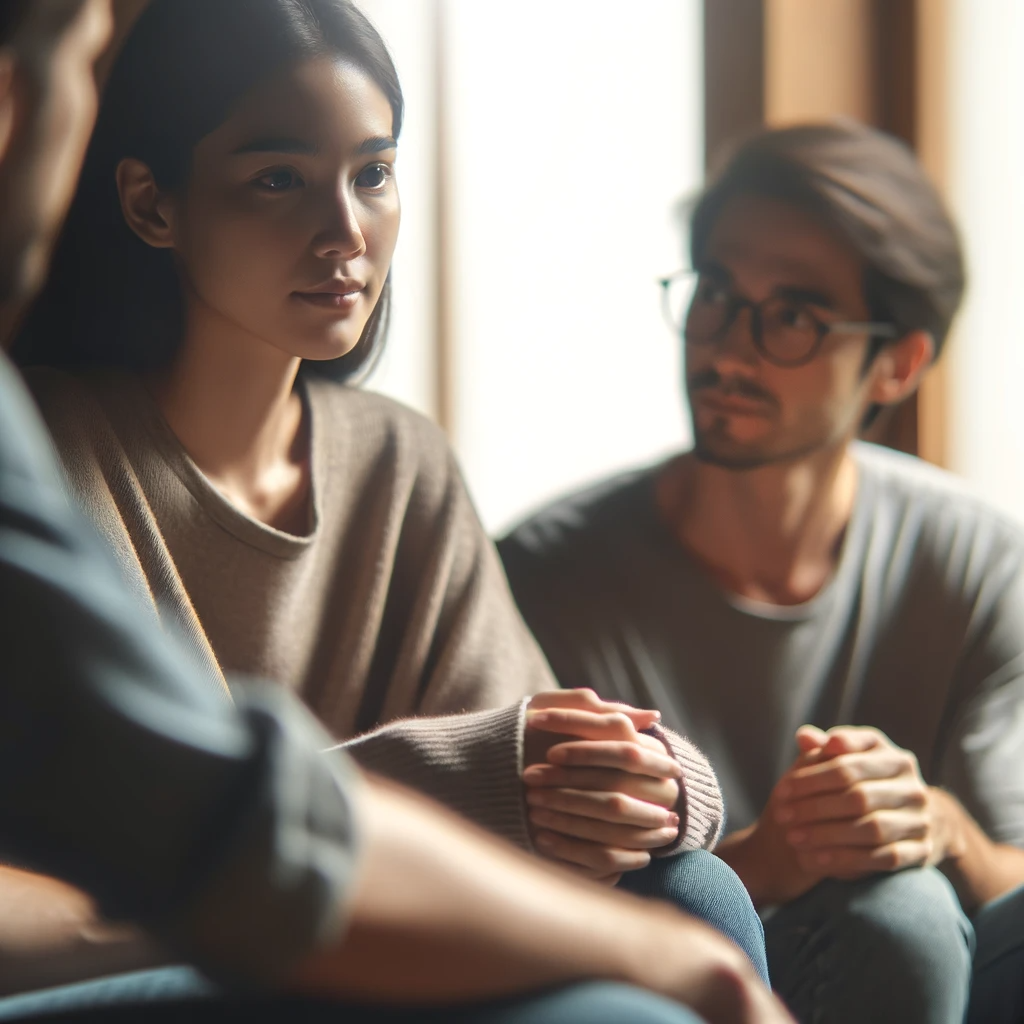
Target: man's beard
x,y
742,458
722,450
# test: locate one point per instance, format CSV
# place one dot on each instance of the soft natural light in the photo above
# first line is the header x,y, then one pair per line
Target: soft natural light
x,y
987,162
574,126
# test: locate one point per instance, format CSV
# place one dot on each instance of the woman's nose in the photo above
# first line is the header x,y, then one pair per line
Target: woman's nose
x,y
341,237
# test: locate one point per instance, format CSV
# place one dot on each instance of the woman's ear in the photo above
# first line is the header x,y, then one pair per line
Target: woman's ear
x,y
899,367
147,210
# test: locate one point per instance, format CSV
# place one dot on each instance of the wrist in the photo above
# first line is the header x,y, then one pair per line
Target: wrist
x,y
739,851
950,844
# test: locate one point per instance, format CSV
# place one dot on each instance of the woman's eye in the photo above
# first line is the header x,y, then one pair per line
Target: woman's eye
x,y
374,177
280,180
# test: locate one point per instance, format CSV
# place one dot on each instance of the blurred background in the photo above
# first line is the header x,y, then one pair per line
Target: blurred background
x,y
546,146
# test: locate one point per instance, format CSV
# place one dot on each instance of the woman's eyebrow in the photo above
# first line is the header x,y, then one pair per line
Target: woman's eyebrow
x,y
278,144
377,144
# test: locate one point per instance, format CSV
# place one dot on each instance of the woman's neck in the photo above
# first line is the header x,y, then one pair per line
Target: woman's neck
x,y
229,398
771,534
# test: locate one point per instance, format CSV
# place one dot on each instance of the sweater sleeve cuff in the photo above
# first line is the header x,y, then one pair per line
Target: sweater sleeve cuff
x,y
469,762
700,808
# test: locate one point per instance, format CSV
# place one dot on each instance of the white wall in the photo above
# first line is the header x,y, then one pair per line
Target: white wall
x,y
574,125
986,158
406,371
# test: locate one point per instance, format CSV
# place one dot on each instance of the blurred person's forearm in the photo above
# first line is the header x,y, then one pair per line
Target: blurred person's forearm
x,y
445,913
50,934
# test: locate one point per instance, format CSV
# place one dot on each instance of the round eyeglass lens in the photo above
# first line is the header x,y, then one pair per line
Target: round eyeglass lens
x,y
789,333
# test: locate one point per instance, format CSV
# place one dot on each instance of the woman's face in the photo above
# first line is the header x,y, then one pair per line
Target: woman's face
x,y
287,226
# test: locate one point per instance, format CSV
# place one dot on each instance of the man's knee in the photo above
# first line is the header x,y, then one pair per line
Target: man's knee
x,y
890,939
907,914
914,914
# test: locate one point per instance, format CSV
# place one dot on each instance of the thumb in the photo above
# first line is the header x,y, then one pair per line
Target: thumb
x,y
810,738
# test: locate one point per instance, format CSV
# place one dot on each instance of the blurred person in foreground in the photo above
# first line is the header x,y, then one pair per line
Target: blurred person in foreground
x,y
839,626
221,827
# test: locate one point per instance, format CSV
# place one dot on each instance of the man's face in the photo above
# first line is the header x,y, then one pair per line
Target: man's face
x,y
51,102
748,412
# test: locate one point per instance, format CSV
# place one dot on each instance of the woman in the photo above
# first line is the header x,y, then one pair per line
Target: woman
x,y
224,270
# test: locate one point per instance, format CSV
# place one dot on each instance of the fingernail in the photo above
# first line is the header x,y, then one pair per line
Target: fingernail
x,y
797,836
544,842
824,858
785,814
537,717
673,819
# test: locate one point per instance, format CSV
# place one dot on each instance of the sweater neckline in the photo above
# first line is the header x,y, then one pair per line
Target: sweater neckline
x,y
228,516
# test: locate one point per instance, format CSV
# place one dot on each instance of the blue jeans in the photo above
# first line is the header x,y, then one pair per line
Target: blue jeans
x,y
706,887
997,993
894,947
898,948
178,995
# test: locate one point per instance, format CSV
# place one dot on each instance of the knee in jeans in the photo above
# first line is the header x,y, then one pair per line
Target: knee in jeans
x,y
694,879
913,914
702,884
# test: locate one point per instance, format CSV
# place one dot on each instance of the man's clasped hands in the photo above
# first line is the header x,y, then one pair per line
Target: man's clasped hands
x,y
852,804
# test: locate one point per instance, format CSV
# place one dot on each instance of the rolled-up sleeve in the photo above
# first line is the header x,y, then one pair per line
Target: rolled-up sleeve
x,y
220,827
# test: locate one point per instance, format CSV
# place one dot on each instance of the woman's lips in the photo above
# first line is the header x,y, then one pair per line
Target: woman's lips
x,y
330,300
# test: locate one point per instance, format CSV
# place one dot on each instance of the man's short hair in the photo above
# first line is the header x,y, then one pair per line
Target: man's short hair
x,y
869,188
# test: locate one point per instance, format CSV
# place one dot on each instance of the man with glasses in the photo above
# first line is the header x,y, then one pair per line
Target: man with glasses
x,y
841,627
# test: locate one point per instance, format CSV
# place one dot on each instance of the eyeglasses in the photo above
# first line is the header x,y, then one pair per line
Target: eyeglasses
x,y
787,332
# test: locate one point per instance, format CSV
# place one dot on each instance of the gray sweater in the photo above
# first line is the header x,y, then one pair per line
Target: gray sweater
x,y
919,633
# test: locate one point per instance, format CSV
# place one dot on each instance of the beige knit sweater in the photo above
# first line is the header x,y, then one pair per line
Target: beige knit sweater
x,y
393,608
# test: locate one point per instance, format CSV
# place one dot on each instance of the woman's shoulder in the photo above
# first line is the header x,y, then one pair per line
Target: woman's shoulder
x,y
49,384
69,406
377,425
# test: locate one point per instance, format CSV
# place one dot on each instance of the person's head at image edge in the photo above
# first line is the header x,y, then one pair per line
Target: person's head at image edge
x,y
47,109
240,186
828,276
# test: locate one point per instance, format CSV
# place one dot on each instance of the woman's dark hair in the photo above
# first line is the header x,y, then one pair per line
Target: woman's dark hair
x,y
113,300
869,188
11,14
